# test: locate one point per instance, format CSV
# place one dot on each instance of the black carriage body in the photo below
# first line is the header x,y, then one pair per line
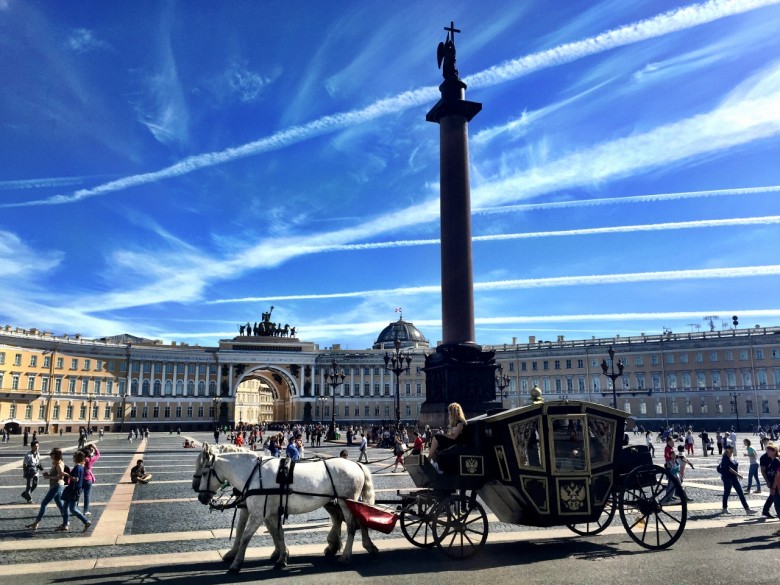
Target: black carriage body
x,y
553,463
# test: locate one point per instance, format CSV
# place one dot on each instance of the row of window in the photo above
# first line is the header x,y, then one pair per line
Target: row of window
x,y
379,390
87,365
703,409
354,411
671,359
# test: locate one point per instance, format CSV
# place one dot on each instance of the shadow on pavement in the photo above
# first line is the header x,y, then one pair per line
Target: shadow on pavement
x,y
393,564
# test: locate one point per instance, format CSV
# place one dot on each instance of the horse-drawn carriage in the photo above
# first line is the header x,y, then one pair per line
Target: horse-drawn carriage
x,y
549,464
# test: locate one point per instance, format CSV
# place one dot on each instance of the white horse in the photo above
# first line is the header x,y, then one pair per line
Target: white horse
x,y
316,484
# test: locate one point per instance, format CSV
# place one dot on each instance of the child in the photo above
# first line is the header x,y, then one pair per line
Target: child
x,y
138,473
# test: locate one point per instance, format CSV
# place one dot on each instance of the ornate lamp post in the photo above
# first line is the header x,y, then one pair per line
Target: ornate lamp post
x,y
609,371
735,405
502,381
216,400
395,363
90,400
334,378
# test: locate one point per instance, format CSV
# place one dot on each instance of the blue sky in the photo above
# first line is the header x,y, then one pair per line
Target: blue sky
x,y
172,169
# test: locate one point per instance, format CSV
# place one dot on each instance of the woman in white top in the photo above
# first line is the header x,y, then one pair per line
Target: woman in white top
x,y
456,424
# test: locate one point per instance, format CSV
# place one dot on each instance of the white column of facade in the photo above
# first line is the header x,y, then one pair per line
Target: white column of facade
x,y
186,377
197,378
230,380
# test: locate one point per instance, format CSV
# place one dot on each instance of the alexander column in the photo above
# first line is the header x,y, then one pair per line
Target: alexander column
x,y
459,371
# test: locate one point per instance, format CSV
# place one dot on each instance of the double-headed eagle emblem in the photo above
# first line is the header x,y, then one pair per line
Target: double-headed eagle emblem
x,y
573,496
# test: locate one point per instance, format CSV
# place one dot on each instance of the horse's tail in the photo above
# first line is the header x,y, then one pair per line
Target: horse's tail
x,y
367,495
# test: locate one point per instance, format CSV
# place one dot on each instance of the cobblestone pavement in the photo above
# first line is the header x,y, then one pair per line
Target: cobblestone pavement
x,y
164,517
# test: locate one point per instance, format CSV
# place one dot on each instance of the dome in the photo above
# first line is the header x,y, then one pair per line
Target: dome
x,y
406,332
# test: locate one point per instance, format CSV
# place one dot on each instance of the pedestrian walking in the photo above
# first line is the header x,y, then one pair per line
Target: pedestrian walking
x,y
752,456
719,441
71,494
730,476
91,456
689,441
363,457
773,475
770,452
30,468
398,451
649,443
56,476
705,442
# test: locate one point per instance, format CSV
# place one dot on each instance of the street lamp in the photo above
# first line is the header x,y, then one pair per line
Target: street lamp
x,y
333,378
216,400
609,371
735,405
395,363
90,400
321,406
502,381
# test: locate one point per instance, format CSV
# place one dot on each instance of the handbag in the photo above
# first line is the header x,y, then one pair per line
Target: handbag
x,y
71,493
29,472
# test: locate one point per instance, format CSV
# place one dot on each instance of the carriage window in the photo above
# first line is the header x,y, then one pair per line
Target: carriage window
x,y
601,434
568,443
528,447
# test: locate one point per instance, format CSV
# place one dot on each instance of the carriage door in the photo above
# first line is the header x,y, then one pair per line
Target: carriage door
x,y
570,462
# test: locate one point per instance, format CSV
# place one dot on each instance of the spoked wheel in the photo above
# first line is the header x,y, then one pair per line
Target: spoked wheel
x,y
417,520
651,518
460,527
597,527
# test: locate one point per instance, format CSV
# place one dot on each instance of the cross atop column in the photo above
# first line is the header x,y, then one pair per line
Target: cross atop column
x,y
451,30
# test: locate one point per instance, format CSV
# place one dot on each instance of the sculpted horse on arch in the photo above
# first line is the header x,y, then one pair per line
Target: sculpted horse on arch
x,y
317,484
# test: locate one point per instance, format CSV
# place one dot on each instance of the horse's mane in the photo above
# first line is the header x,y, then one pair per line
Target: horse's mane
x,y
230,448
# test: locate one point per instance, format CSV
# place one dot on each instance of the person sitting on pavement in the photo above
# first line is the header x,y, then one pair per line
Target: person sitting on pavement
x,y
138,473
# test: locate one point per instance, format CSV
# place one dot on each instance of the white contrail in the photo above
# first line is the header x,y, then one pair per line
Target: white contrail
x,y
676,225
547,282
662,24
630,199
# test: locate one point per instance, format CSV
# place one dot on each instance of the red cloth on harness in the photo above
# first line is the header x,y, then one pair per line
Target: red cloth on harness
x,y
371,517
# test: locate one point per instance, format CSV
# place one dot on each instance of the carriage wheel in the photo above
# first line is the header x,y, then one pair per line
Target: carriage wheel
x,y
599,525
417,519
651,519
460,528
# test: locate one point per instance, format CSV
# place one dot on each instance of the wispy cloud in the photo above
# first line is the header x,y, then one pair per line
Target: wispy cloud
x,y
19,259
83,40
668,22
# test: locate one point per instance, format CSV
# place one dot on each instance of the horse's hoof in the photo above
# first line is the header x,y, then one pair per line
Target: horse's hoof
x,y
373,550
234,570
329,552
280,564
274,557
344,560
228,558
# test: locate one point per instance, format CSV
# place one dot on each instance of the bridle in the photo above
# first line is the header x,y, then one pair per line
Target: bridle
x,y
207,469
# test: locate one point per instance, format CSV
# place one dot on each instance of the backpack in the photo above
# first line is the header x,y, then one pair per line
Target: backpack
x,y
66,469
719,468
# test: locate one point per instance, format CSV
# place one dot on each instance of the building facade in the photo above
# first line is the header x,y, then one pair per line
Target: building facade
x,y
50,383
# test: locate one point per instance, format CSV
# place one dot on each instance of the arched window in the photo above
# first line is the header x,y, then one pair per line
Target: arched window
x,y
134,388
179,388
212,388
190,388
201,388
168,388
145,388
157,388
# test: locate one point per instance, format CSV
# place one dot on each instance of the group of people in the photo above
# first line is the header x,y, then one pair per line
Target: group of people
x,y
66,485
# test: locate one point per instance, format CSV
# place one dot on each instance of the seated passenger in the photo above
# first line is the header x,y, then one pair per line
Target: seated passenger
x,y
456,424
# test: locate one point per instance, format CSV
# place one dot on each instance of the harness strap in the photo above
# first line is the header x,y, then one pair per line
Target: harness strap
x,y
332,483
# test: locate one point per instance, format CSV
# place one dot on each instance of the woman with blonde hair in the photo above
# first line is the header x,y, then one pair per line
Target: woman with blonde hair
x,y
456,423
